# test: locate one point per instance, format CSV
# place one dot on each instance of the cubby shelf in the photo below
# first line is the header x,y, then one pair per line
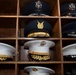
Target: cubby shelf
x,y
12,24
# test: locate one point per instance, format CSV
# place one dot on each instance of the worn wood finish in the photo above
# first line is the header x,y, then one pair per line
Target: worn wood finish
x,y
8,7
7,27
7,69
57,51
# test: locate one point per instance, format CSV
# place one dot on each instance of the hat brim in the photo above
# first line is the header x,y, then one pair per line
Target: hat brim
x,y
50,43
72,46
5,47
41,69
66,32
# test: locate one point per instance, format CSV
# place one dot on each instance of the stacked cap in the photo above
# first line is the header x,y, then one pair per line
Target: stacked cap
x,y
38,28
6,51
36,8
68,9
69,30
69,52
38,70
39,50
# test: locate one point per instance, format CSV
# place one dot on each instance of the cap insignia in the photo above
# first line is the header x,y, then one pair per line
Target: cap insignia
x,y
35,69
43,43
40,25
72,6
38,4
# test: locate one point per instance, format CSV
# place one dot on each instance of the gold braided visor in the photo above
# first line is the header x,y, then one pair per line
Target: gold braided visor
x,y
40,34
4,57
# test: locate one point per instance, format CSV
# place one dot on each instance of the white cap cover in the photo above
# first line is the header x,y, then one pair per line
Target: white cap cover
x,y
69,50
39,46
37,70
7,50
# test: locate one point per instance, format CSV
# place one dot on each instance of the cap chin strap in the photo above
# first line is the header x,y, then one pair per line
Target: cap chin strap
x,y
70,34
71,14
36,14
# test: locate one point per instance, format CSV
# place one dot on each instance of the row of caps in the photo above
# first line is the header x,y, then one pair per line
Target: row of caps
x,y
38,50
41,8
33,70
42,28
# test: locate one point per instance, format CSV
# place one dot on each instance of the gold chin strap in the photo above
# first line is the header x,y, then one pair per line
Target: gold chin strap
x,y
41,34
4,57
38,57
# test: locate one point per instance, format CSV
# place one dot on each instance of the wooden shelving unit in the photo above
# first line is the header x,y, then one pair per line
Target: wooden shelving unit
x,y
12,25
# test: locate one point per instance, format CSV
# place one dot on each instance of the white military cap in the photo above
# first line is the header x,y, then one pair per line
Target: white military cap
x,y
40,47
6,51
69,52
37,70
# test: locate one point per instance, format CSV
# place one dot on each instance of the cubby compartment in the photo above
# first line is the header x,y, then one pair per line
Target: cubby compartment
x,y
53,6
7,69
67,20
66,42
54,22
8,27
69,69
68,7
10,44
54,51
68,27
8,7
55,67
68,51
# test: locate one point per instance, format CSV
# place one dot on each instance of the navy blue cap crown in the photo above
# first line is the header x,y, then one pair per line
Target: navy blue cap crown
x,y
68,9
33,27
36,7
69,30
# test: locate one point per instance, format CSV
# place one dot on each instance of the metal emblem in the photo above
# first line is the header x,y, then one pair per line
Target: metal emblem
x,y
35,69
40,25
72,6
42,43
38,4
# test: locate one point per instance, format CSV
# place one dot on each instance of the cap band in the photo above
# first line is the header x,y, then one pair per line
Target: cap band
x,y
69,34
37,14
41,34
39,53
70,57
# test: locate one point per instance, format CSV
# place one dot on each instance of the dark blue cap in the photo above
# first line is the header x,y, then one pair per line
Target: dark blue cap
x,y
69,30
38,25
68,9
36,8
70,69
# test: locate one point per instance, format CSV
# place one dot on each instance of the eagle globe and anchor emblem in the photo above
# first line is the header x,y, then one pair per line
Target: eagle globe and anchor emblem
x,y
38,4
72,6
